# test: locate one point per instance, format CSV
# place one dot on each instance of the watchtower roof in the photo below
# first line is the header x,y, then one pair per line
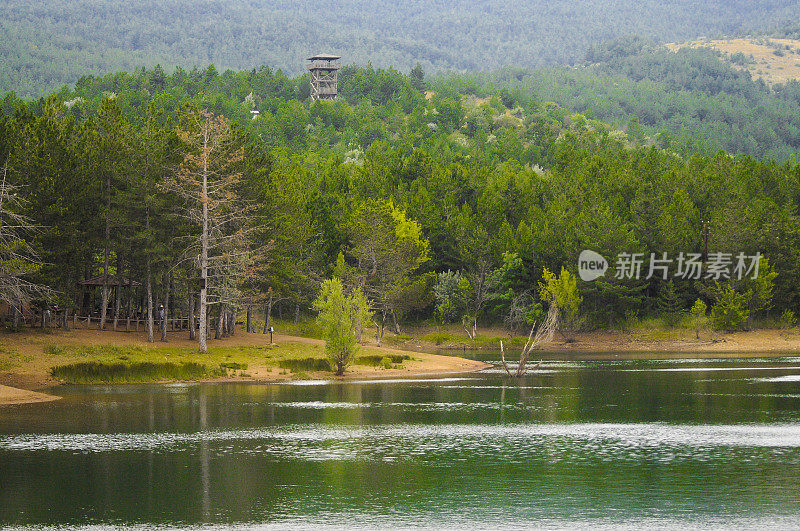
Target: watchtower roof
x,y
324,57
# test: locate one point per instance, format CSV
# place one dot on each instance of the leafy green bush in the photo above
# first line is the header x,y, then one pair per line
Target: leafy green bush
x,y
339,316
55,350
437,338
787,319
698,316
729,312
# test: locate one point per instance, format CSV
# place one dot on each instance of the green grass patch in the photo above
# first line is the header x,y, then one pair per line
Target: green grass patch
x,y
440,338
306,327
304,364
232,365
55,350
378,360
117,372
10,358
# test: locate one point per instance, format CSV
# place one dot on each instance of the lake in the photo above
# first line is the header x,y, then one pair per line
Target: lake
x,y
602,444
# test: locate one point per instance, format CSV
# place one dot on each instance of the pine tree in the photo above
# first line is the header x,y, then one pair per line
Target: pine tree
x,y
669,303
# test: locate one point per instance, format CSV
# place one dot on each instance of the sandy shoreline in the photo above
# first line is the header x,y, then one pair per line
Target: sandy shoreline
x,y
23,383
423,366
12,396
32,363
679,342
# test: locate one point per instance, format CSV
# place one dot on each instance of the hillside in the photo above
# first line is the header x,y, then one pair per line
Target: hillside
x,y
690,99
44,45
774,60
500,185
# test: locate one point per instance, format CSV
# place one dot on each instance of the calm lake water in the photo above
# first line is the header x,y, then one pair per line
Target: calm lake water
x,y
654,444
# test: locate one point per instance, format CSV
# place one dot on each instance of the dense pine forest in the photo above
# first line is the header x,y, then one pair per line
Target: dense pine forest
x,y
442,201
48,44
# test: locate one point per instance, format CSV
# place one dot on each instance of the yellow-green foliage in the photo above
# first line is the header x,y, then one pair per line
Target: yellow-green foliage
x,y
340,315
563,291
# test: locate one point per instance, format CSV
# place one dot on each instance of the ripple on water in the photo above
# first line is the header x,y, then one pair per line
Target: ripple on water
x,y
499,521
777,379
516,443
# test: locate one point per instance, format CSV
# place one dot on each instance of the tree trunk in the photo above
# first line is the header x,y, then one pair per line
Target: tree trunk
x,y
117,293
396,324
297,313
150,323
166,308
232,327
130,299
192,329
248,325
379,329
218,329
104,303
17,315
172,298
268,313
149,287
203,347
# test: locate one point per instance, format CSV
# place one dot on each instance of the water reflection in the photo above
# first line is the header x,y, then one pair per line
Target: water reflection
x,y
595,443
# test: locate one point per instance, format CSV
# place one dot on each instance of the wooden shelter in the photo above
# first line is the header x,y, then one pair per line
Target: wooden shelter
x,y
324,69
88,297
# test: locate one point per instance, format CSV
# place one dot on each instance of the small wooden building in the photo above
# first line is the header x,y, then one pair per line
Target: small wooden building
x,y
90,298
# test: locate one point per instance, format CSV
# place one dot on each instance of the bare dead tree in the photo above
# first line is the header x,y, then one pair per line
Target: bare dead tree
x,y
18,259
543,333
208,182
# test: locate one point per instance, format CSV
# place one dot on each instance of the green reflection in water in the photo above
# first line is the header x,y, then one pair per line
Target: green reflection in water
x,y
599,443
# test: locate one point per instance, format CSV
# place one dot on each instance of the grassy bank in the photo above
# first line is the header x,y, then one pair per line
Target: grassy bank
x,y
92,356
130,364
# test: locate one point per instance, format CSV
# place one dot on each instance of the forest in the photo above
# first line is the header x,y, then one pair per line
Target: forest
x,y
44,45
691,100
438,205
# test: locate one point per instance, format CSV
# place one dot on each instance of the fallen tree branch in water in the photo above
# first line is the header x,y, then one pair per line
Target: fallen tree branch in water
x,y
544,333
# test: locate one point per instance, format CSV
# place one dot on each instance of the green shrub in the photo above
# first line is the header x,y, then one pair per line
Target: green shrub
x,y
438,338
698,316
729,312
340,315
788,320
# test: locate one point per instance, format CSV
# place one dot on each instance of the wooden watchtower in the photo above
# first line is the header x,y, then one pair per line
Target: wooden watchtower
x,y
324,70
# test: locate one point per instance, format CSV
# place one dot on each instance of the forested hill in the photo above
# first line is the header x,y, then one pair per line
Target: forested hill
x,y
44,45
499,188
691,99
